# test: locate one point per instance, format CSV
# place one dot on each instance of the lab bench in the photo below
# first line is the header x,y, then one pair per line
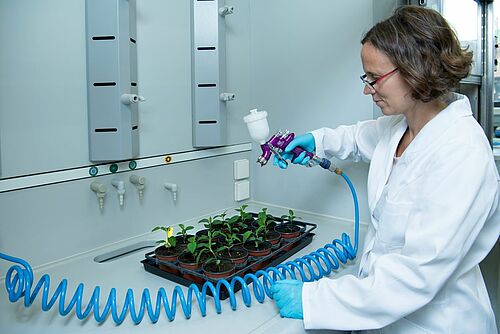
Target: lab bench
x,y
127,272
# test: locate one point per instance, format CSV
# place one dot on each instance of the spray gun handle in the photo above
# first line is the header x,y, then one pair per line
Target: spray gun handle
x,y
298,150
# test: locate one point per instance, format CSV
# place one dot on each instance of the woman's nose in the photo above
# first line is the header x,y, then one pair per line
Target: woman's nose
x,y
367,90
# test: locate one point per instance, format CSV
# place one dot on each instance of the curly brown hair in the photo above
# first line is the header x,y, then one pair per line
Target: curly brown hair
x,y
425,49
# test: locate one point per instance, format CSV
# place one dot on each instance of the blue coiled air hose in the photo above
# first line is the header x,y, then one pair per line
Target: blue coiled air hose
x,y
20,279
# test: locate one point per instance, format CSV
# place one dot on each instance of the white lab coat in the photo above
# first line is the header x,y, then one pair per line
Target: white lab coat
x,y
432,222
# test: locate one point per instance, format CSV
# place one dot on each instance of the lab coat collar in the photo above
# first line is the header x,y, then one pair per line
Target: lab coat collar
x,y
397,132
458,107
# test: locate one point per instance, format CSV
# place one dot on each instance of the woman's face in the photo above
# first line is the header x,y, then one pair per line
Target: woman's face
x,y
391,94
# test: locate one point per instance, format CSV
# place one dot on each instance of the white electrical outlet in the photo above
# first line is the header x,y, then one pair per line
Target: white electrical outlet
x,y
241,169
241,190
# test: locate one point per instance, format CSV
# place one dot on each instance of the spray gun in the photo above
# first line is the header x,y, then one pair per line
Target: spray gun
x,y
259,131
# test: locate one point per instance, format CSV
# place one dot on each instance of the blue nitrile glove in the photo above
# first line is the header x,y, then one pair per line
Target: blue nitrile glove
x,y
305,141
288,297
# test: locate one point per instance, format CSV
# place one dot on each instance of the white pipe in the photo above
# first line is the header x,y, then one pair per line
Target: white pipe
x,y
173,188
131,98
226,10
120,189
224,97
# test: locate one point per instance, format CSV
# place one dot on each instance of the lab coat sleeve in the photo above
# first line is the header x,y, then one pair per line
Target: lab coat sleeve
x,y
455,198
356,142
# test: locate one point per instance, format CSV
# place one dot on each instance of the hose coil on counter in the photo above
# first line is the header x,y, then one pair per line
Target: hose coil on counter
x,y
19,282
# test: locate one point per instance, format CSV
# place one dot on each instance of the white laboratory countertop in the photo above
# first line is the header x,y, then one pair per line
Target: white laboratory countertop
x,y
127,272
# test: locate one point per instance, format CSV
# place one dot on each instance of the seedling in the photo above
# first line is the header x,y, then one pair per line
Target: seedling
x,y
243,215
258,235
183,232
169,241
264,219
196,248
205,244
210,223
290,218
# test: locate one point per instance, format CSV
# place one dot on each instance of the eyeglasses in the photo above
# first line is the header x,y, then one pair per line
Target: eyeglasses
x,y
371,84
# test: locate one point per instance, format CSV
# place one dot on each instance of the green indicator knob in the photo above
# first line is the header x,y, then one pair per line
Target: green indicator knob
x,y
113,168
132,164
93,171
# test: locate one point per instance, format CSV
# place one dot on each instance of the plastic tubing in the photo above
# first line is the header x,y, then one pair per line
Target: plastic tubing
x,y
19,282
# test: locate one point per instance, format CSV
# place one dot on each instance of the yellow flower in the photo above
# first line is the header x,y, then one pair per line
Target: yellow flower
x,y
170,232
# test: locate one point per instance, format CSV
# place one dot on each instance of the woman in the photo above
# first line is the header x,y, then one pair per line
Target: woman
x,y
432,192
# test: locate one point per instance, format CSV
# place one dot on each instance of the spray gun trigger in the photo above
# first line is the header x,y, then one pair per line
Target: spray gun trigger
x,y
277,153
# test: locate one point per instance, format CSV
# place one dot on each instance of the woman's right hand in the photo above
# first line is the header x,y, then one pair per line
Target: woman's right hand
x,y
306,142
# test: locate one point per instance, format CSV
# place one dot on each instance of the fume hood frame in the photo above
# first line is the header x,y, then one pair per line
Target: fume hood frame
x,y
208,64
112,85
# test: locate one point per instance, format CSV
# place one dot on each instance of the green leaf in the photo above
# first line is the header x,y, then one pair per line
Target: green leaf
x,y
247,235
191,247
172,241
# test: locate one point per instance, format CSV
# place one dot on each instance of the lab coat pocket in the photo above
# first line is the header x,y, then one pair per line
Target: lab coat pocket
x,y
392,225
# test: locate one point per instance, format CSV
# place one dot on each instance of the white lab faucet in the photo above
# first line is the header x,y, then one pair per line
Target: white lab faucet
x,y
131,98
226,10
100,191
173,188
120,189
139,182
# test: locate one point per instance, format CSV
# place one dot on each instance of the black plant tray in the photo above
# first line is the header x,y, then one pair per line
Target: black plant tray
x,y
277,256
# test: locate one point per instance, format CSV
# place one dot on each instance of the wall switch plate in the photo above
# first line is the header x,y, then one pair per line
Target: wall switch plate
x,y
241,169
241,190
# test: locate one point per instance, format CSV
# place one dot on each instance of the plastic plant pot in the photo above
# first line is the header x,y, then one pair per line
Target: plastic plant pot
x,y
164,254
274,238
181,241
262,249
288,231
218,268
187,261
237,255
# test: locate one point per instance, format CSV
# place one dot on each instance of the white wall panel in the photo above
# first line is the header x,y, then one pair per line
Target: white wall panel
x,y
305,73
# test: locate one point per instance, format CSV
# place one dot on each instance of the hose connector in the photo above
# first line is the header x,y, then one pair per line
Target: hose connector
x,y
100,190
140,183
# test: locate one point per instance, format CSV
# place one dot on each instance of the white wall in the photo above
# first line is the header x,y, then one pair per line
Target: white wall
x,y
51,222
306,67
292,58
299,60
43,127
